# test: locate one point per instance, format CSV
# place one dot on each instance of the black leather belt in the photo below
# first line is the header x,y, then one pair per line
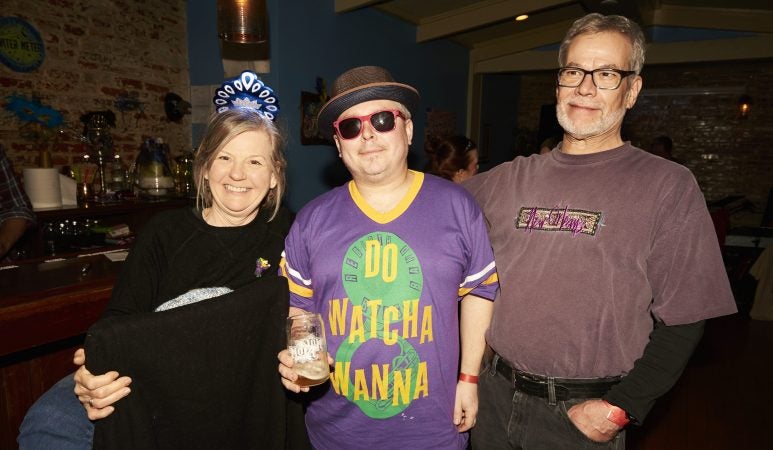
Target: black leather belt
x,y
563,388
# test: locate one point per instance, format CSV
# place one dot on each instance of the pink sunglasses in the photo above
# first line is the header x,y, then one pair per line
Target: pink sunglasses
x,y
382,121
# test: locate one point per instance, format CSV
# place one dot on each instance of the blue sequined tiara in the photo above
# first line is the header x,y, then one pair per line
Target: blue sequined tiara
x,y
247,91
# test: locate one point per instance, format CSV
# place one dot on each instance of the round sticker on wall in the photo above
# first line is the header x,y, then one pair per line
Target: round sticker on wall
x,y
21,48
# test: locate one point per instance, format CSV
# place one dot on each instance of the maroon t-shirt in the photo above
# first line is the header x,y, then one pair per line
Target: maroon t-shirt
x,y
588,249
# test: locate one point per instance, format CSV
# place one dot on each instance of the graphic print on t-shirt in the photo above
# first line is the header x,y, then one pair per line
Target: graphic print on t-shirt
x,y
377,365
575,221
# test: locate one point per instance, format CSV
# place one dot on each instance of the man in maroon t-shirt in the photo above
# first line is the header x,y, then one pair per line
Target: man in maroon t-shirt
x,y
607,260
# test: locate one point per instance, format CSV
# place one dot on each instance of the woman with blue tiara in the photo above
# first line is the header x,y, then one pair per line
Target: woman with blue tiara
x,y
225,250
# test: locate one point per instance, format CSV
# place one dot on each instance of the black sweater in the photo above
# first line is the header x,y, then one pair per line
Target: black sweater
x,y
204,375
177,251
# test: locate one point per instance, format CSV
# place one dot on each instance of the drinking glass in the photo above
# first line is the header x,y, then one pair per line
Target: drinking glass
x,y
307,345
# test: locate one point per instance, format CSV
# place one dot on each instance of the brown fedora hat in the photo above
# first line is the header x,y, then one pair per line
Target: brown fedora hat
x,y
363,84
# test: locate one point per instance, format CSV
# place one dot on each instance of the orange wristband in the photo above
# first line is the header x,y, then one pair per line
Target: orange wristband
x,y
468,378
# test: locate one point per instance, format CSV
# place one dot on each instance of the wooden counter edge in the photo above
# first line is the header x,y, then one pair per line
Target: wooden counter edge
x,y
52,318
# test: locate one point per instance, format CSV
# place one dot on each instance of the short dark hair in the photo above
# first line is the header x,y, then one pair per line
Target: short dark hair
x,y
447,155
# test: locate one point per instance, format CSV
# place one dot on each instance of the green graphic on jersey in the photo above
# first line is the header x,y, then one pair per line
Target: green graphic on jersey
x,y
381,266
407,362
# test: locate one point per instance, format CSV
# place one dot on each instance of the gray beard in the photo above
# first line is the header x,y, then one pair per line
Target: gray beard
x,y
589,129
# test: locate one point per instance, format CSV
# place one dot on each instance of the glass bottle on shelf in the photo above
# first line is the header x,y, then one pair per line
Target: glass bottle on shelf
x,y
50,239
117,174
97,136
184,175
153,176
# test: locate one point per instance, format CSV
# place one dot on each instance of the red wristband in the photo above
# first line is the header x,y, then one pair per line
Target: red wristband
x,y
468,378
617,415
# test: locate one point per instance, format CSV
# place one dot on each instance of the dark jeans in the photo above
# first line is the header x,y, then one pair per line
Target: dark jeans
x,y
57,421
510,419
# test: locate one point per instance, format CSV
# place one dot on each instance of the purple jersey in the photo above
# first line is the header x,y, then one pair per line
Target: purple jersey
x,y
388,286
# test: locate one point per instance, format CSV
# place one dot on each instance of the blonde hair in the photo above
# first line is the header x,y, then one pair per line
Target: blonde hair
x,y
221,129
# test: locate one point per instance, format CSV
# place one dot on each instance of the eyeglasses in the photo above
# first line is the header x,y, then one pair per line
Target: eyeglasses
x,y
382,121
602,78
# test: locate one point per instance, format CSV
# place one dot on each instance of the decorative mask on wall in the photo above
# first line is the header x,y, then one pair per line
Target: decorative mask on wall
x,y
175,107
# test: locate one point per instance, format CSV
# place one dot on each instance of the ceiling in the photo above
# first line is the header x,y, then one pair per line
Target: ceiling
x,y
679,30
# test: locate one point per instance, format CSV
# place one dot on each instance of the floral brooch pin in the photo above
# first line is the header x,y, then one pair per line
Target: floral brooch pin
x,y
261,265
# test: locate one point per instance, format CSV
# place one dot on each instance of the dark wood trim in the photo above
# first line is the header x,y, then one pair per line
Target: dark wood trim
x,y
45,311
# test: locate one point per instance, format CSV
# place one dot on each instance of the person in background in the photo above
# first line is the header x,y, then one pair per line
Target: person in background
x,y
15,210
182,256
454,158
608,262
386,260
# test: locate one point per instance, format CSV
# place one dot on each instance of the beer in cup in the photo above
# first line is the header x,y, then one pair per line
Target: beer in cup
x,y
306,343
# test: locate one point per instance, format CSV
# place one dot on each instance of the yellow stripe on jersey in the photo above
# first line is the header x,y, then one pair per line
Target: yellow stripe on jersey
x,y
398,210
294,287
491,279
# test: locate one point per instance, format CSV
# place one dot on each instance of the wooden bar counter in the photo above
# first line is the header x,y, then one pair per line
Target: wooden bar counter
x,y
45,310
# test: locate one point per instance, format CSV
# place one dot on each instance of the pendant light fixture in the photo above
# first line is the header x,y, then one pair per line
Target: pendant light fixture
x,y
242,21
242,26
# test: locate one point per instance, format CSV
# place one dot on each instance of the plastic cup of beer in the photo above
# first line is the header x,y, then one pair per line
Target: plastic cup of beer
x,y
307,345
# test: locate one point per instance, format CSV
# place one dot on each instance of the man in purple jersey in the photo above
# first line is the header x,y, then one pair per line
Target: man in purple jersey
x,y
608,262
386,259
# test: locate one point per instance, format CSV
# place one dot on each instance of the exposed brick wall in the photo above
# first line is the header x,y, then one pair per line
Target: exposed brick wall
x,y
94,52
698,124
